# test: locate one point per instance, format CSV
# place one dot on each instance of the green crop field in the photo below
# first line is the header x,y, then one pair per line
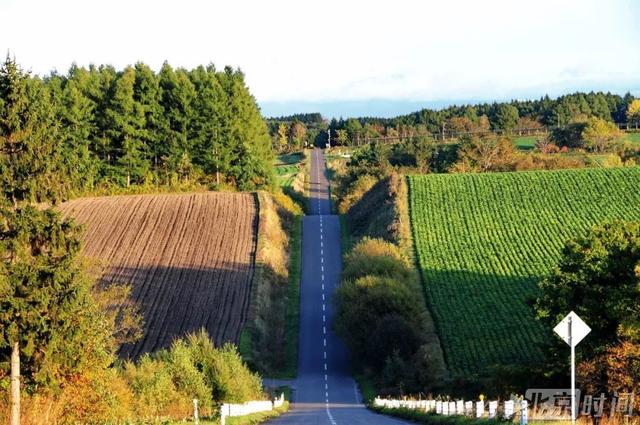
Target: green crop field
x,y
484,241
526,143
287,167
633,137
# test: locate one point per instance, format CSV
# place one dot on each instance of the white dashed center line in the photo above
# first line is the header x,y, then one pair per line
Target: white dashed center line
x,y
324,318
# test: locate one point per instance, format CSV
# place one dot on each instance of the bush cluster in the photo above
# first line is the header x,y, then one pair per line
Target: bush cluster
x,y
381,314
158,387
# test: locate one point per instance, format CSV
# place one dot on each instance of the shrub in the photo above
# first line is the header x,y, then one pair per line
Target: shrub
x,y
225,372
363,306
376,257
154,392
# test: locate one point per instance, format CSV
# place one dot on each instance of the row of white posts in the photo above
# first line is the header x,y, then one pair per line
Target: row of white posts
x,y
227,410
478,409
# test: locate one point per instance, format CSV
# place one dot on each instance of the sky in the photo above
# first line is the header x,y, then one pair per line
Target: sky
x,y
347,57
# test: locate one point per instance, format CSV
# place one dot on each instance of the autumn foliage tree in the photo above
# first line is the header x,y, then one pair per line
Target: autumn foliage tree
x,y
600,135
598,277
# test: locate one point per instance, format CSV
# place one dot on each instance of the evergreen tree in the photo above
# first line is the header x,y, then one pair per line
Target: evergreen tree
x,y
29,152
76,115
209,114
125,126
177,97
49,324
246,135
147,94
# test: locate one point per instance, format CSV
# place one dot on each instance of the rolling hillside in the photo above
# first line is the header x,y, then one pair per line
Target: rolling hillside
x,y
484,241
189,258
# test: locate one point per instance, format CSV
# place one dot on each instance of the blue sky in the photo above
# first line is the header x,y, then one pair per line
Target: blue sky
x,y
346,58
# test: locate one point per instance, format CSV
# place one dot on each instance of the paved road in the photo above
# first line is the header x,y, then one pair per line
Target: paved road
x,y
325,392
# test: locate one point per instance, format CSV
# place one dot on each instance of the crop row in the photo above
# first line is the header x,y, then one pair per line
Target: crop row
x,y
484,241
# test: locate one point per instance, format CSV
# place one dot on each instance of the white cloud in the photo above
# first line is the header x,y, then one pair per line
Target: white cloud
x,y
331,50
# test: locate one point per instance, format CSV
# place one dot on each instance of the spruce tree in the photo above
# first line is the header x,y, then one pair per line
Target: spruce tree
x,y
125,126
147,93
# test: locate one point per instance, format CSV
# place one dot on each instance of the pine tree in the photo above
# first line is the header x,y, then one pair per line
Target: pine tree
x,y
77,122
209,113
125,126
29,151
246,135
49,324
147,93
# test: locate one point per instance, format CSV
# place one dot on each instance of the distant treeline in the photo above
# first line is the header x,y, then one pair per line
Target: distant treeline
x,y
307,119
97,127
504,116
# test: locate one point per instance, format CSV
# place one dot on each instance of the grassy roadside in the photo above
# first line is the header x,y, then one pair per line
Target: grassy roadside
x,y
269,341
293,301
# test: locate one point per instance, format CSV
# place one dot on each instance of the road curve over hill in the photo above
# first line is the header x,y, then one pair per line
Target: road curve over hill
x,y
325,392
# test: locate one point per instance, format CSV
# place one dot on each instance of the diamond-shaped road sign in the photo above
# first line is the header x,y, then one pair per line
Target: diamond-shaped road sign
x,y
579,329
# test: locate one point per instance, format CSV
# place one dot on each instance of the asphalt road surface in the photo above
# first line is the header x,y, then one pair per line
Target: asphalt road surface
x,y
324,391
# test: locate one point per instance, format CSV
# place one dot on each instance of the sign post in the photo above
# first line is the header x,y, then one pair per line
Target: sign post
x,y
572,330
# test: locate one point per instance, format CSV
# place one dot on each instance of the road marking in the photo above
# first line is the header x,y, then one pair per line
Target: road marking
x,y
323,286
324,318
324,340
321,251
320,236
325,377
325,366
325,355
322,260
330,417
323,277
324,330
322,268
326,386
321,244
323,297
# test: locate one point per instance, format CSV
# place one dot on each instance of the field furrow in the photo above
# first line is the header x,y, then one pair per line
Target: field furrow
x,y
189,259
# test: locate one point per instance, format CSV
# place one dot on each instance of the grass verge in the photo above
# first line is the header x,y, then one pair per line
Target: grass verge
x,y
293,300
434,419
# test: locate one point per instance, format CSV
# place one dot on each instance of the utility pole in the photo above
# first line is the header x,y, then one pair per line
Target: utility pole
x,y
15,384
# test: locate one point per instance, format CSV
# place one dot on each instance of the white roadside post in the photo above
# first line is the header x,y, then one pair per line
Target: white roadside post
x,y
524,412
572,330
196,417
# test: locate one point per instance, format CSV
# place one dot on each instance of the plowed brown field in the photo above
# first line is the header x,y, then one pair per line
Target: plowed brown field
x,y
189,257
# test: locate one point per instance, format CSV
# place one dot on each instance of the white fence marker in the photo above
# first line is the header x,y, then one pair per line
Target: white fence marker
x,y
509,408
479,409
493,409
468,408
524,412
